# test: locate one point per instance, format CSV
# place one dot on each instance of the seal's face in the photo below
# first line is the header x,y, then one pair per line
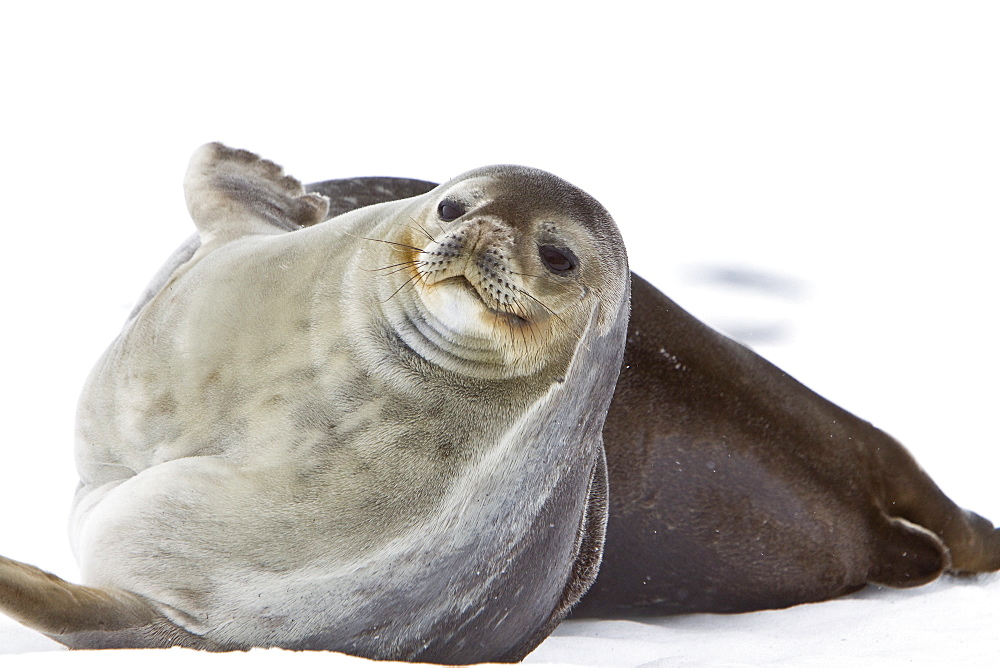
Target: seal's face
x,y
500,268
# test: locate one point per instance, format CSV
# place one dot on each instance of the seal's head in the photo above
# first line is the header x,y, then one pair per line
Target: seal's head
x,y
501,267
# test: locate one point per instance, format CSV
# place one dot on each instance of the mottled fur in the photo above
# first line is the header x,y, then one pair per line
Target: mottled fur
x,y
274,453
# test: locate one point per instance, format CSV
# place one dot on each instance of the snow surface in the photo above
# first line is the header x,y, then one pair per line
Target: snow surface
x,y
841,155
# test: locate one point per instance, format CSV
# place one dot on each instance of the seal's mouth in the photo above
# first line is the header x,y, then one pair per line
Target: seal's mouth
x,y
462,282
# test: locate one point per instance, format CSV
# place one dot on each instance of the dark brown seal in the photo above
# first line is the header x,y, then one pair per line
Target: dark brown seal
x,y
733,487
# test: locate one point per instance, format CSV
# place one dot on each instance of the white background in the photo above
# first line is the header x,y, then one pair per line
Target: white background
x,y
851,149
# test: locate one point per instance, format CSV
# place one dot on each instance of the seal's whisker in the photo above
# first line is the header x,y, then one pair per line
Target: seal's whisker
x,y
411,281
421,228
502,315
395,243
400,265
530,326
497,322
523,347
524,336
540,303
391,243
519,309
533,327
535,332
439,225
404,268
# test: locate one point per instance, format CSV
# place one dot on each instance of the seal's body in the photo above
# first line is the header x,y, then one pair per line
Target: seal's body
x,y
736,488
733,487
378,435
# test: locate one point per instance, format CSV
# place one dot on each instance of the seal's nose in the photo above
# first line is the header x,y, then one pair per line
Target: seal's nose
x,y
469,249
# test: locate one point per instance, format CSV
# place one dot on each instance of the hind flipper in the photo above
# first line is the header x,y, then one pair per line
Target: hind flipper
x,y
233,193
86,617
974,543
907,555
909,493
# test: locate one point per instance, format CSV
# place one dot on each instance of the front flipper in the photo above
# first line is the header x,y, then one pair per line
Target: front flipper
x,y
86,617
232,193
587,561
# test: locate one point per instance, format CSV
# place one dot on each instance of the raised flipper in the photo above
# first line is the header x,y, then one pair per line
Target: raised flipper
x,y
232,193
86,617
343,196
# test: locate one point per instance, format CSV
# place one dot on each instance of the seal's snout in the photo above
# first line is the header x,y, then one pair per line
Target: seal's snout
x,y
480,251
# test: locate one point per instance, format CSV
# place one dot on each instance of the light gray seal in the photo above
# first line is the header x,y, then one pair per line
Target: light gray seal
x,y
733,487
379,435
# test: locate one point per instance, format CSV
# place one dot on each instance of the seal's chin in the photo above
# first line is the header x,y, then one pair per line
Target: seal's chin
x,y
460,308
495,310
450,325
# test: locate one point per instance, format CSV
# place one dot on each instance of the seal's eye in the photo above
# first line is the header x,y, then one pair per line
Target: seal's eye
x,y
558,260
449,210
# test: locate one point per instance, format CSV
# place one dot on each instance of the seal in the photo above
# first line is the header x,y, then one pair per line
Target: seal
x,y
379,435
734,488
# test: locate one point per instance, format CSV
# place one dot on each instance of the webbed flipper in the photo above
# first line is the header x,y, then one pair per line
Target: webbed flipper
x,y
973,542
907,555
86,617
232,193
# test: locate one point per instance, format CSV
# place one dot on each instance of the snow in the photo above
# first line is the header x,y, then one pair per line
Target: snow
x,y
846,150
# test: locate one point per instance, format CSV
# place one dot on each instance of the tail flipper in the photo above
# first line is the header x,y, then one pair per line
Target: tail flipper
x,y
974,543
909,493
86,617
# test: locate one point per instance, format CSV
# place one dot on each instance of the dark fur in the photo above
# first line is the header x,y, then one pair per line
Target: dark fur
x,y
733,487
